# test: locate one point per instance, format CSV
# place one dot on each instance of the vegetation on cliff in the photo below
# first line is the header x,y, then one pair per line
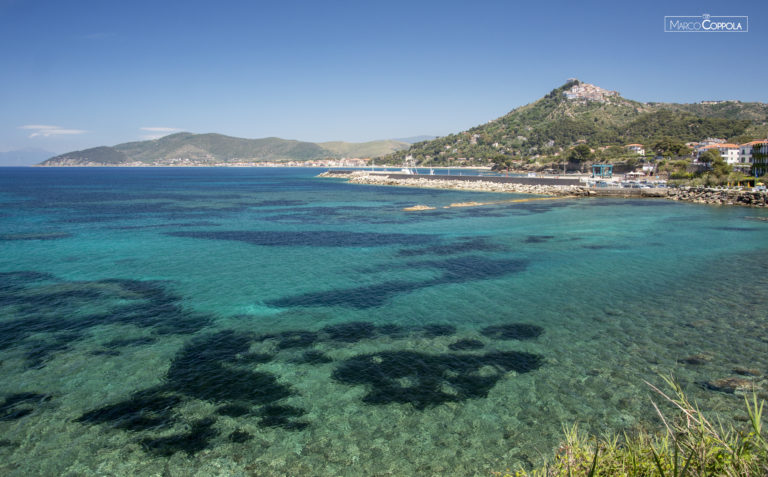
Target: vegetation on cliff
x,y
553,124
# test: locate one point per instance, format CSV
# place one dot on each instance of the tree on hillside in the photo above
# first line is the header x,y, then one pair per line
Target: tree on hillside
x,y
720,168
501,162
667,147
710,156
580,154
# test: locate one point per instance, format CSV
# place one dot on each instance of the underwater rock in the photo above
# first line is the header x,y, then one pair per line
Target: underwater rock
x,y
144,410
747,371
255,358
280,416
296,339
239,436
426,380
513,331
39,352
466,345
729,385
14,281
233,410
314,357
19,405
200,371
697,359
538,238
200,434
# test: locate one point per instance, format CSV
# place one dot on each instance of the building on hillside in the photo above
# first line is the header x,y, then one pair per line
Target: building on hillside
x,y
745,150
636,148
729,152
711,140
759,155
589,92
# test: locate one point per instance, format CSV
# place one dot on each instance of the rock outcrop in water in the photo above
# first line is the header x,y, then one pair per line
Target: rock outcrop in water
x,y
704,195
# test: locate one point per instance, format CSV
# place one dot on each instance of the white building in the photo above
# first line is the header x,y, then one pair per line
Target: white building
x,y
636,148
745,150
729,152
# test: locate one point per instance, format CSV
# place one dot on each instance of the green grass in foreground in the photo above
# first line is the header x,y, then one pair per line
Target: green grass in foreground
x,y
689,445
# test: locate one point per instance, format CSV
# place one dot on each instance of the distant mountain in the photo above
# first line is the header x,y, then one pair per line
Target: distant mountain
x,y
207,149
364,149
415,139
579,112
23,157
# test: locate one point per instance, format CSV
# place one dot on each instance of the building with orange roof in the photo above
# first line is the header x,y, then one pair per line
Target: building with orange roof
x,y
729,152
745,150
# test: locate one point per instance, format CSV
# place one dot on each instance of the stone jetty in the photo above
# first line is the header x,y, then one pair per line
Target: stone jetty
x,y
554,187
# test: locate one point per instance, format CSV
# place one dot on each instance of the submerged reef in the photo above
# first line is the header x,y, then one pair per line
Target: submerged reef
x,y
425,380
66,311
458,269
19,405
229,369
222,368
512,331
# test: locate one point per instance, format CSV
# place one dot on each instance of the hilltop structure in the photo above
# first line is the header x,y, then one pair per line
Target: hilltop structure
x,y
589,92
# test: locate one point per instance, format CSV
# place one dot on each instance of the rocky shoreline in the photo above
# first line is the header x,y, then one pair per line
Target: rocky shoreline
x,y
698,195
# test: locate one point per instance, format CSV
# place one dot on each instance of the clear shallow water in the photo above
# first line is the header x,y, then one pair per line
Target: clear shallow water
x,y
265,322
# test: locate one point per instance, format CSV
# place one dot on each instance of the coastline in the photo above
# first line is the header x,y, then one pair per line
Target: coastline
x,y
698,195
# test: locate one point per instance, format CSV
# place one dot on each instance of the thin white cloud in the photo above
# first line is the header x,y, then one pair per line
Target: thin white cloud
x,y
44,130
159,129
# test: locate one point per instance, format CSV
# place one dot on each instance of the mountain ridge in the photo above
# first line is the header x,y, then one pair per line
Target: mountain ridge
x,y
186,148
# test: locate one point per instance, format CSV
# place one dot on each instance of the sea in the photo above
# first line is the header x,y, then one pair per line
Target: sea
x,y
267,322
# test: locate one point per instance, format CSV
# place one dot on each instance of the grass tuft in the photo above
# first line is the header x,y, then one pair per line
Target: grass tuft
x,y
688,445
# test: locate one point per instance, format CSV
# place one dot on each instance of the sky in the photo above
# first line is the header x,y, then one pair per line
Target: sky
x,y
79,74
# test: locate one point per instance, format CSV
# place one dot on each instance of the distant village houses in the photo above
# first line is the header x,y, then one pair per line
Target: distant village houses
x,y
747,156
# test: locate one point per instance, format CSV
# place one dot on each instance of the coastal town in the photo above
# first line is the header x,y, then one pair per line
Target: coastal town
x,y
747,157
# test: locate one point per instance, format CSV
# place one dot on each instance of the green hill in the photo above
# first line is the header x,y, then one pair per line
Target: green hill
x,y
364,149
100,155
579,112
201,149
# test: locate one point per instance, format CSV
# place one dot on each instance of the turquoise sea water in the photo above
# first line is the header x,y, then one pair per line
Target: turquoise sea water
x,y
267,322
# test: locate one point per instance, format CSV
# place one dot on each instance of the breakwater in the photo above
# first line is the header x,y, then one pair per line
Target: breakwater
x,y
555,187
719,196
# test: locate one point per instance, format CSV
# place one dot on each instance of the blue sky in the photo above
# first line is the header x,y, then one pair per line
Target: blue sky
x,y
78,74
